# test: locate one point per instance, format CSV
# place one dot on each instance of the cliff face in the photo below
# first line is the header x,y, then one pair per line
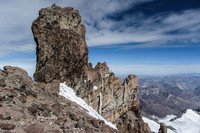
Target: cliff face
x,y
62,54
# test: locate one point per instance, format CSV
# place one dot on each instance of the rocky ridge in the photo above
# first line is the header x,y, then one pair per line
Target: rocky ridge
x,y
162,129
62,54
31,107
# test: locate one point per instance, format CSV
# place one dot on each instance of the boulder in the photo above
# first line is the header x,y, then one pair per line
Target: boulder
x,y
163,128
7,126
35,128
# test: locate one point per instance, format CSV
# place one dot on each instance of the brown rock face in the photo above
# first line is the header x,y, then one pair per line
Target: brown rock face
x,y
162,129
116,102
62,52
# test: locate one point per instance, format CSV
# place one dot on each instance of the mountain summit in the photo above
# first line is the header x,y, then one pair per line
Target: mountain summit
x,y
68,91
62,54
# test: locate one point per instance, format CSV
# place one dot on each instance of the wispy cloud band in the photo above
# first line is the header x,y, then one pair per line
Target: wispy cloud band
x,y
151,31
154,69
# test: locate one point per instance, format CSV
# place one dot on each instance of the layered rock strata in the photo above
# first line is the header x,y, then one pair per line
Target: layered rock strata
x,y
62,54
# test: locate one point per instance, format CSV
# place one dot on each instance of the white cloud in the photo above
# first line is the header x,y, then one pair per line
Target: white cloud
x,y
21,48
149,32
154,69
16,17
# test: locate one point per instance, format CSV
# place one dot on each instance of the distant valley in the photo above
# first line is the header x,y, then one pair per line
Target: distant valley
x,y
165,95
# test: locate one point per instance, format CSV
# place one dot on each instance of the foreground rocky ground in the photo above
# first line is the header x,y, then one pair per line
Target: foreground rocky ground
x,y
28,106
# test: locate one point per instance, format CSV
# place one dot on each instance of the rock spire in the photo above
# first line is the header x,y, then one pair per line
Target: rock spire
x,y
62,54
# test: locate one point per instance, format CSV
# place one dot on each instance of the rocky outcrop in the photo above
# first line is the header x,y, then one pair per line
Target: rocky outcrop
x,y
31,107
163,128
62,54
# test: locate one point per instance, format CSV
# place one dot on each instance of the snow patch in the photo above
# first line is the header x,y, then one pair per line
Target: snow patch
x,y
154,126
167,118
95,87
187,123
69,93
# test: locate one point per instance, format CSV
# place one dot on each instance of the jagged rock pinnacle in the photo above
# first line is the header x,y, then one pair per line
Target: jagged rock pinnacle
x,y
61,48
162,129
62,54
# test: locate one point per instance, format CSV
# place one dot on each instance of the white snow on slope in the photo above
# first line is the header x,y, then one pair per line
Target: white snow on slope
x,y
154,126
189,122
166,118
95,87
69,93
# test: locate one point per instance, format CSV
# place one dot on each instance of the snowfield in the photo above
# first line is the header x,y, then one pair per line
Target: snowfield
x,y
69,93
154,126
189,122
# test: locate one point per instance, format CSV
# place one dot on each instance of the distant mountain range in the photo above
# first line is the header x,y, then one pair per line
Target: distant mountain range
x,y
165,95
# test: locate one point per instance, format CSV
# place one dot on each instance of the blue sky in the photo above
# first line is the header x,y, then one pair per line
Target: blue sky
x,y
148,37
